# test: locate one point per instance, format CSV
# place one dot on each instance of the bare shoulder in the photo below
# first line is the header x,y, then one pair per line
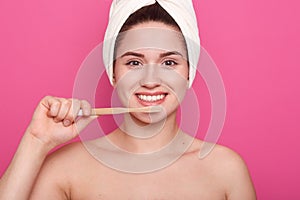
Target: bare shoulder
x,y
231,170
69,161
59,171
67,153
225,157
217,155
65,159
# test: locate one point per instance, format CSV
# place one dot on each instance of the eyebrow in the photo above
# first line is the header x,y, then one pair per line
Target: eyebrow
x,y
169,53
130,53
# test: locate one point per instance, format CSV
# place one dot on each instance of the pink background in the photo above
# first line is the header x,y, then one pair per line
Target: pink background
x,y
254,43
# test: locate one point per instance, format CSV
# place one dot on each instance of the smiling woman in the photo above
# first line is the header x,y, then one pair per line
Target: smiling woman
x,y
151,70
151,62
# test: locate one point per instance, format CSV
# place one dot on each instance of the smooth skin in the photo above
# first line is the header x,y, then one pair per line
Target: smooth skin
x,y
73,173
52,124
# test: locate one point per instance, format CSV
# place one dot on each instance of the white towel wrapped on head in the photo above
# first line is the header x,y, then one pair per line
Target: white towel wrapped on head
x,y
182,11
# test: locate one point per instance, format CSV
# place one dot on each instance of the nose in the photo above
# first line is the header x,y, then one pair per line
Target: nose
x,y
150,78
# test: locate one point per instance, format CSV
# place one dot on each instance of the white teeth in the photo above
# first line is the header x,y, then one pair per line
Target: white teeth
x,y
151,98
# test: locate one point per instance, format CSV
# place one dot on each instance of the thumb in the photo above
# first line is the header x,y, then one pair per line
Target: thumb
x,y
82,122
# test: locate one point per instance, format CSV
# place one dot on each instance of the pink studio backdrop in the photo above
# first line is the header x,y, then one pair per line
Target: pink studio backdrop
x,y
254,43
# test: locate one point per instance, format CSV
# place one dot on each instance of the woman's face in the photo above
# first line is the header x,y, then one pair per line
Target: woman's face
x,y
151,69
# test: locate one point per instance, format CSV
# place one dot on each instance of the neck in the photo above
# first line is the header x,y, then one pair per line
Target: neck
x,y
137,138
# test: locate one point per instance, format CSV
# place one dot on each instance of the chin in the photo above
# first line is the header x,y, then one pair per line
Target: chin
x,y
144,119
153,118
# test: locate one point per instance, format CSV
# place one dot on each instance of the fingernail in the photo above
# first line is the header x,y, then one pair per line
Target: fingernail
x,y
67,122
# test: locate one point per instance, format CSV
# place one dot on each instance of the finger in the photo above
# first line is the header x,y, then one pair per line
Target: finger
x,y
86,108
72,113
82,122
52,105
65,106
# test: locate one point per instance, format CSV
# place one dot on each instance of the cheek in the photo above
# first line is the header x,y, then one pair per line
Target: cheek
x,y
119,71
177,81
184,72
126,83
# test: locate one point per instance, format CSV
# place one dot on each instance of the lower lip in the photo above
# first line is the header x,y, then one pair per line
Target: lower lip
x,y
151,103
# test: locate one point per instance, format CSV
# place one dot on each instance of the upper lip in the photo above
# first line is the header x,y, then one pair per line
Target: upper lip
x,y
151,93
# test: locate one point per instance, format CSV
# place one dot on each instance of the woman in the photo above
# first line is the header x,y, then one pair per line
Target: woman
x,y
155,69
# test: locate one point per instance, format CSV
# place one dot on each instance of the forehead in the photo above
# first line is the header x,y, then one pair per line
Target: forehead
x,y
149,37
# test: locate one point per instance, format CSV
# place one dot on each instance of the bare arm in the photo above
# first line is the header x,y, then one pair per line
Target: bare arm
x,y
238,179
18,179
52,124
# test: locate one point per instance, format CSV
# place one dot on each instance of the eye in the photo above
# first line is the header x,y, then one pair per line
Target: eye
x,y
169,62
134,63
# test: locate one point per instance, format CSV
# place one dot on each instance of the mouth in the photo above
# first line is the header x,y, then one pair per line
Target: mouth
x,y
147,99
